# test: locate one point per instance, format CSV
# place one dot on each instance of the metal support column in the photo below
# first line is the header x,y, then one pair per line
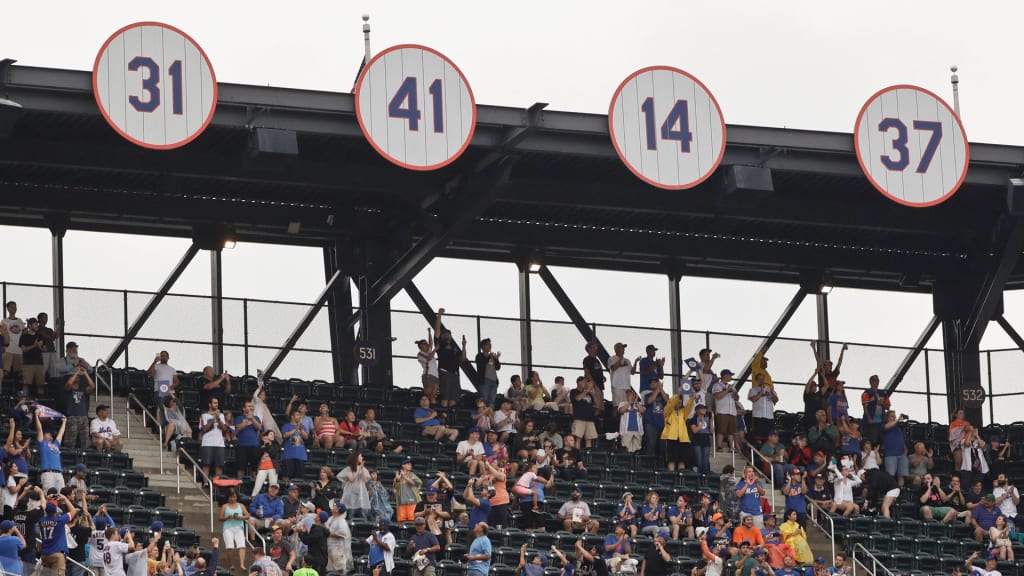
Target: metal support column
x,y
675,323
375,322
300,328
217,310
147,311
823,336
574,314
780,324
339,310
525,320
57,260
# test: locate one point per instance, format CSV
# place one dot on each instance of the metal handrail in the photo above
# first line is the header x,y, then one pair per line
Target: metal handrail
x,y
875,562
100,363
197,468
771,471
80,565
145,413
821,512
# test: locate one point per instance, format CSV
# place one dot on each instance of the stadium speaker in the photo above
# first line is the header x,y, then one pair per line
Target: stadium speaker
x,y
10,112
1015,196
273,141
746,186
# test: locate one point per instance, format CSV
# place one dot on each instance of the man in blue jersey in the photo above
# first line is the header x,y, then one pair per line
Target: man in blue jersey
x,y
482,505
51,474
54,534
11,545
479,556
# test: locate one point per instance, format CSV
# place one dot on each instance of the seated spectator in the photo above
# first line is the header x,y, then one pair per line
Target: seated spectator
x,y
997,454
680,518
800,454
999,536
617,549
517,395
325,428
974,495
483,416
569,461
1007,497
788,567
984,517
469,452
841,568
627,513
795,535
748,532
493,448
373,433
506,420
744,560
842,486
934,500
820,492
560,396
776,455
575,514
526,442
265,509
823,436
551,433
652,514
991,562
430,422
350,435
103,430
957,500
539,398
777,550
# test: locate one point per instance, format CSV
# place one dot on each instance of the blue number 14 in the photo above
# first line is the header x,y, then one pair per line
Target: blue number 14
x,y
405,104
675,127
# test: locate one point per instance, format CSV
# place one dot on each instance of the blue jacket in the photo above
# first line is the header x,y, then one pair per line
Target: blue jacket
x,y
271,508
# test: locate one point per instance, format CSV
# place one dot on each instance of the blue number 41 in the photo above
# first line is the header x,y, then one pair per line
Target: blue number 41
x,y
405,104
675,127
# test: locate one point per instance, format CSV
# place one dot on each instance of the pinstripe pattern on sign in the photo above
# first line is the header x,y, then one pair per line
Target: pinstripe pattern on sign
x,y
931,165
439,85
170,96
645,102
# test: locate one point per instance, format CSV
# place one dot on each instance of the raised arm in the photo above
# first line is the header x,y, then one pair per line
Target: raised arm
x,y
63,426
469,495
842,352
39,427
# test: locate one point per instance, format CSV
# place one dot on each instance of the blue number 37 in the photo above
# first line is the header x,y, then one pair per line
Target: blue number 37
x,y
899,144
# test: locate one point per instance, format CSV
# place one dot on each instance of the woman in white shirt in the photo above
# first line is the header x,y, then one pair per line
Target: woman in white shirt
x,y
15,482
843,485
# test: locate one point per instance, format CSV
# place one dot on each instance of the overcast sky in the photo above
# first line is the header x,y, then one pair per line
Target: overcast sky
x,y
808,65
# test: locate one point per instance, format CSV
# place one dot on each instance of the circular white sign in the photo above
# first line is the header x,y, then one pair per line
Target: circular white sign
x,y
667,127
154,85
415,107
911,146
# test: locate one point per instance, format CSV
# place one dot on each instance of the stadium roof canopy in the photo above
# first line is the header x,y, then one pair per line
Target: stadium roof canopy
x,y
533,183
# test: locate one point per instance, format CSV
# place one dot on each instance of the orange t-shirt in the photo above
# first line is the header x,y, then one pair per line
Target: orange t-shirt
x,y
753,535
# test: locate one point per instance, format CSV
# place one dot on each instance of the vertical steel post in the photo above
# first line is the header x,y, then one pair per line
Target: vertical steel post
x,y
57,261
675,322
525,320
216,310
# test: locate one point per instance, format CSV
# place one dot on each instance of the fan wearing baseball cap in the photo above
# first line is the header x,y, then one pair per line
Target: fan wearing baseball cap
x,y
622,371
649,368
11,545
54,535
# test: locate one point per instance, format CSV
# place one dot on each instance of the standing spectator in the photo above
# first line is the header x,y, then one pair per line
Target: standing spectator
x,y
876,404
479,555
165,377
281,551
631,424
487,365
355,478
339,541
54,535
51,473
997,455
586,404
12,327
1007,497
592,365
294,456
650,368
49,337
72,361
214,386
482,505
248,427
430,423
838,406
727,496
675,434
11,545
32,345
212,427
759,365
763,398
795,492
449,359
103,430
894,446
814,399
266,469
822,437
426,355
534,568
407,487
658,561
77,390
749,492
725,395
654,418
423,547
700,438
882,490
382,549
799,453
234,517
622,371
314,537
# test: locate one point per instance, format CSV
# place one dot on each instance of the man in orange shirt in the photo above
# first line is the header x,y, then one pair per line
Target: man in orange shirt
x,y
746,531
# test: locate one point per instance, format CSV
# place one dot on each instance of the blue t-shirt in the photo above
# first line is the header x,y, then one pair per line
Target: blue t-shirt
x,y
376,552
786,572
53,534
481,513
10,554
49,456
645,379
794,499
423,413
608,541
648,509
674,511
655,414
248,436
481,545
750,502
894,443
839,406
294,447
307,424
633,419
